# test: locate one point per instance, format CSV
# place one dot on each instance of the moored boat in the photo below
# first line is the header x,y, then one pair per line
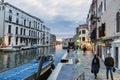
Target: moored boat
x,y
33,47
25,47
11,48
28,70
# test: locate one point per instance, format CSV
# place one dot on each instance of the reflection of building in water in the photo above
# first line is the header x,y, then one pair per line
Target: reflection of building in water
x,y
52,49
52,40
5,61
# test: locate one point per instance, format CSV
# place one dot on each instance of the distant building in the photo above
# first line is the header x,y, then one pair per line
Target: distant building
x,y
66,41
82,34
20,28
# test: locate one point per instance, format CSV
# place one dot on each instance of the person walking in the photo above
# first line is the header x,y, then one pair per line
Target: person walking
x,y
84,49
95,65
109,63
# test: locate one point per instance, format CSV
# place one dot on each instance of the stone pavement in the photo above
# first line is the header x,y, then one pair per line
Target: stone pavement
x,y
84,65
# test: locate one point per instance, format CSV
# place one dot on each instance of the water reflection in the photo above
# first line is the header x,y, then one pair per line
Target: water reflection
x,y
12,59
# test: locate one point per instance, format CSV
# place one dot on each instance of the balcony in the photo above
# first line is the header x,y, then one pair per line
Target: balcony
x,y
93,19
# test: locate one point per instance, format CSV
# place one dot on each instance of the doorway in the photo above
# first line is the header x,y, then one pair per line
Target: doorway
x,y
116,56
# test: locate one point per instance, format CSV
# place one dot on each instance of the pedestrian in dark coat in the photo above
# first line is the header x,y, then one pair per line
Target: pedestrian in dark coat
x,y
109,63
95,65
84,49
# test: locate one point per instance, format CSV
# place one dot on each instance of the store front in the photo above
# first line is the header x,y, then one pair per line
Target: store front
x,y
116,52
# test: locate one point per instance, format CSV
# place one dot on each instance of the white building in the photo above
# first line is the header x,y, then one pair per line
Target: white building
x,y
20,28
82,32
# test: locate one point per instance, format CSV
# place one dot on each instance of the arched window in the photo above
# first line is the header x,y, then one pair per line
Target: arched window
x,y
118,22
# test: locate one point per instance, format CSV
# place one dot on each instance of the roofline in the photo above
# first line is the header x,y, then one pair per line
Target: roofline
x,y
6,3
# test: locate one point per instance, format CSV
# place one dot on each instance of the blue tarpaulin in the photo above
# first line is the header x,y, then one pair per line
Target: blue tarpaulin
x,y
22,71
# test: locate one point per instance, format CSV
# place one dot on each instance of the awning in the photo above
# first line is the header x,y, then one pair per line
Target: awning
x,y
116,41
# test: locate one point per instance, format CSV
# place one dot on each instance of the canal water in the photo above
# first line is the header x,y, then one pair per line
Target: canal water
x,y
10,60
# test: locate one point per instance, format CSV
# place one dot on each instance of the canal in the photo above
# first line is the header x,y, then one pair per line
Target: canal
x,y
10,60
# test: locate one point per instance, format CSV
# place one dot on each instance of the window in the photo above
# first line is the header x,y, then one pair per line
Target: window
x,y
3,7
102,30
16,40
80,32
10,11
17,21
34,33
83,31
24,31
20,40
17,14
83,38
9,40
9,28
29,32
118,22
21,31
38,26
38,34
34,24
16,30
30,24
10,18
104,5
24,22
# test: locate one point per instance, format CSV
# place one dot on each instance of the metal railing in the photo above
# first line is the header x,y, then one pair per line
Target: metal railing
x,y
81,76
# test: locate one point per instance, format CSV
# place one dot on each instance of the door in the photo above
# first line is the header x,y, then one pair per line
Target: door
x,y
116,56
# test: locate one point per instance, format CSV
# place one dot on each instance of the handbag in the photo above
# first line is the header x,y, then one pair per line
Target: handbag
x,y
91,70
113,69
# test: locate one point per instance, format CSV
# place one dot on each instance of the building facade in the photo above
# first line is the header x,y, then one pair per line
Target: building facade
x,y
108,29
82,35
20,28
52,40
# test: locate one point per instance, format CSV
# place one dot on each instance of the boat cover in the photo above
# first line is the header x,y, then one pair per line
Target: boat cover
x,y
22,71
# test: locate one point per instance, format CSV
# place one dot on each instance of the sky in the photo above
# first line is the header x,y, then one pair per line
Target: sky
x,y
61,16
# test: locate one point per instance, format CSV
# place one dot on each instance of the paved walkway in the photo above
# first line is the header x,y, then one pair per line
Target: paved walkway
x,y
72,70
84,65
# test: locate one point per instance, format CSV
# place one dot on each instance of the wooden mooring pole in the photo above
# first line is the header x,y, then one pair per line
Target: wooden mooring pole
x,y
40,68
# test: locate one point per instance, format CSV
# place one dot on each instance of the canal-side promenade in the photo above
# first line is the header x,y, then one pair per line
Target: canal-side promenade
x,y
84,65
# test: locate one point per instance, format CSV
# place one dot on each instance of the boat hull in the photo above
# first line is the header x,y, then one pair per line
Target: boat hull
x,y
43,71
27,71
10,48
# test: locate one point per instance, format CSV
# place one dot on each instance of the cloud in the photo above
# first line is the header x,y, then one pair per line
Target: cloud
x,y
59,15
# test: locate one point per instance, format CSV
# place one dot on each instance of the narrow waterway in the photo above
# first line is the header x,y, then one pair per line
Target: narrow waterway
x,y
10,60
